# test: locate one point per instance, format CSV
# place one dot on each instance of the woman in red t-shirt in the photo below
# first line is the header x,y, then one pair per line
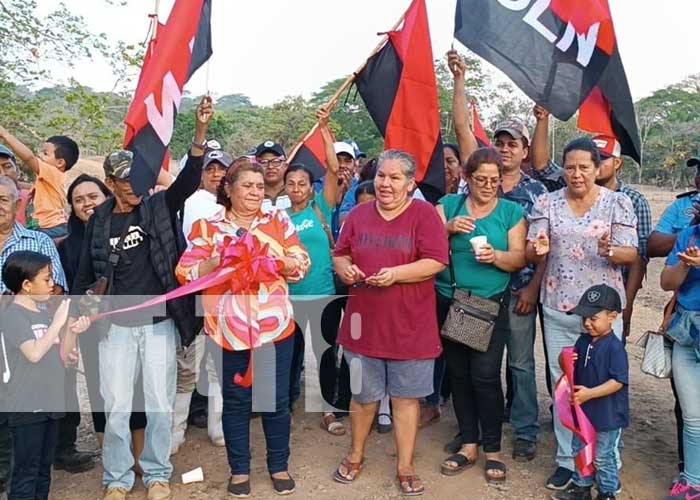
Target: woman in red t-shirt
x,y
389,252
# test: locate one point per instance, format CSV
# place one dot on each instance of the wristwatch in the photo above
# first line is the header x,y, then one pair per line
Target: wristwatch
x,y
202,145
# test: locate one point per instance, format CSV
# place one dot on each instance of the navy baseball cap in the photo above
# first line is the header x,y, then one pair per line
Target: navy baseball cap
x,y
269,147
597,298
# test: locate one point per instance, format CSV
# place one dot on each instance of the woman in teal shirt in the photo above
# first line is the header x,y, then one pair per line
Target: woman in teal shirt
x,y
475,377
311,215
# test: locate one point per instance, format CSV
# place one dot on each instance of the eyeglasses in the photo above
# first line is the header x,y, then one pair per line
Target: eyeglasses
x,y
483,181
277,163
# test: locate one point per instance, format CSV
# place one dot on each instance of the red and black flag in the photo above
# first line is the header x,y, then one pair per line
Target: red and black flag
x,y
311,152
399,88
559,52
182,45
482,138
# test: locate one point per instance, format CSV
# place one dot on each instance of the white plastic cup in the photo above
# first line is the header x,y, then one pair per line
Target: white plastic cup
x,y
193,476
478,243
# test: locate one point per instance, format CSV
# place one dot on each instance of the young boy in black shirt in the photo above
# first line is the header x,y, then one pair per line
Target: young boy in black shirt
x,y
601,377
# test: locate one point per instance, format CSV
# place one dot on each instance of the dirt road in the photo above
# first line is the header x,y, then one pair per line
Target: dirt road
x,y
649,455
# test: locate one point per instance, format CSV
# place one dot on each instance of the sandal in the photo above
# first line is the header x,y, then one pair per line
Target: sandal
x,y
463,463
490,467
406,482
332,426
353,470
384,428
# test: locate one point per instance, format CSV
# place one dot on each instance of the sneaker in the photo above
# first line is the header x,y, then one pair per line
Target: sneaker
x,y
683,491
115,494
524,450
159,491
560,479
74,461
573,492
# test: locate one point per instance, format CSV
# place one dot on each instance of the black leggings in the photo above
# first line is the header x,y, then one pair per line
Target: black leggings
x,y
475,378
334,377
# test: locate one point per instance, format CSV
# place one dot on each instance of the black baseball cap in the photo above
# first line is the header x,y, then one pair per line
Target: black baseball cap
x,y
597,298
269,147
218,156
693,162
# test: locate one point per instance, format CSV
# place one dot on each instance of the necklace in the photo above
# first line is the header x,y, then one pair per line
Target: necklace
x,y
243,221
479,212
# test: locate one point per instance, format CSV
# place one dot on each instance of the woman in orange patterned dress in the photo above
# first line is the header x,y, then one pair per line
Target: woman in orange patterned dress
x,y
237,323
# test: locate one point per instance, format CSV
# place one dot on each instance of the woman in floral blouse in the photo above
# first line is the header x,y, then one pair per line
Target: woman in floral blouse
x,y
227,322
585,233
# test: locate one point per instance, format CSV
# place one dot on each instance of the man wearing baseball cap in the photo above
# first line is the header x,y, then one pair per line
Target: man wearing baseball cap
x,y
272,158
135,243
201,205
610,164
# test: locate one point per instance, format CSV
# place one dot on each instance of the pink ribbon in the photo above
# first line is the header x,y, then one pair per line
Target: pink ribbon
x,y
572,416
245,264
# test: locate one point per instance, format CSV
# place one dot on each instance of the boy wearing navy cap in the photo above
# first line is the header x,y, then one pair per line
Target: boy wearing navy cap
x,y
601,379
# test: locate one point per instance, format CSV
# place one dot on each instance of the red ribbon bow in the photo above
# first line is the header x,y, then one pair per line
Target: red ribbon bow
x,y
245,263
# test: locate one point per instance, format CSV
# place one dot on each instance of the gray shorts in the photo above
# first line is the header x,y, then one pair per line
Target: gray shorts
x,y
372,378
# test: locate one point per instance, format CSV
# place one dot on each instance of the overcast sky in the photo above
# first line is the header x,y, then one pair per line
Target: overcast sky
x,y
268,49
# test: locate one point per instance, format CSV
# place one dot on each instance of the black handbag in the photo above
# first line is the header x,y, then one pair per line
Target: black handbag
x,y
471,319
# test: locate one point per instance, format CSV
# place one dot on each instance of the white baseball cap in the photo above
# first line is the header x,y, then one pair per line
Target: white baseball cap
x,y
344,147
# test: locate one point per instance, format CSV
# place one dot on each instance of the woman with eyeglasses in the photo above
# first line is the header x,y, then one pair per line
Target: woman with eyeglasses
x,y
230,328
585,233
484,270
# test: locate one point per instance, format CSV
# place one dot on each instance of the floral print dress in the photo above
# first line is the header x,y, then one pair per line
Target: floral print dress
x,y
573,263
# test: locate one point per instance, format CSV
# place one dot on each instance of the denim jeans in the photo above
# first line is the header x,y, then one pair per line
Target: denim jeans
x,y
124,352
521,361
269,395
31,474
560,331
686,374
606,475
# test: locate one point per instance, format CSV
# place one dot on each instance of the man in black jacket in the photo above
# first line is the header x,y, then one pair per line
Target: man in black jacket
x,y
135,243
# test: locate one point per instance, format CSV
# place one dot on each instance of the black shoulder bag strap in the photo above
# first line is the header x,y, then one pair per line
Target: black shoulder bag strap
x,y
116,253
324,223
462,201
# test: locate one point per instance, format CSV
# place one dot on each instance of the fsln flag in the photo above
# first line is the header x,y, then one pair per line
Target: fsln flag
x,y
399,88
312,153
558,52
482,138
182,45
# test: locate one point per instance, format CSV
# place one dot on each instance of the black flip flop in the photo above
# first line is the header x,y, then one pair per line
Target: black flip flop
x,y
463,463
495,465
